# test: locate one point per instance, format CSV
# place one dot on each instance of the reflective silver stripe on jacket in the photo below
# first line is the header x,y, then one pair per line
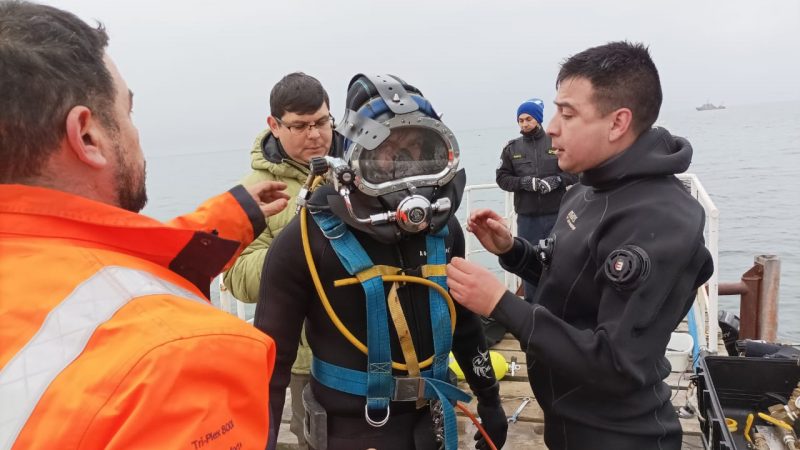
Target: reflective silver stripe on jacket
x,y
63,336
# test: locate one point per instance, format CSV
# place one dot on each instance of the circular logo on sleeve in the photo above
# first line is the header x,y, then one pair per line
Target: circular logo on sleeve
x,y
626,267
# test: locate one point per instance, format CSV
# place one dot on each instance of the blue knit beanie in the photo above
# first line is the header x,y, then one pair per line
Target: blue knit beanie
x,y
534,107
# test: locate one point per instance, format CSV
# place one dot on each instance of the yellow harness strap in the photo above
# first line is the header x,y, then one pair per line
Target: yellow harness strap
x,y
404,336
372,272
403,333
434,270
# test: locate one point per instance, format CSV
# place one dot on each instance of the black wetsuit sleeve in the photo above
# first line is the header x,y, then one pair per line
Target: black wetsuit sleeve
x,y
505,176
282,307
623,352
521,261
469,342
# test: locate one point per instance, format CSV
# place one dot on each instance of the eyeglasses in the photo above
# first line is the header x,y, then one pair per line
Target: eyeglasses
x,y
324,124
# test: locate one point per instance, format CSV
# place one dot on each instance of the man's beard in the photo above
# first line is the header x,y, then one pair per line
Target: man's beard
x,y
131,190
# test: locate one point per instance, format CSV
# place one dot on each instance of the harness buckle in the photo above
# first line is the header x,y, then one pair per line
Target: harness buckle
x,y
408,389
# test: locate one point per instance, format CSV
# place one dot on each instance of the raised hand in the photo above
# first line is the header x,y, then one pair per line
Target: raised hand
x,y
270,196
491,230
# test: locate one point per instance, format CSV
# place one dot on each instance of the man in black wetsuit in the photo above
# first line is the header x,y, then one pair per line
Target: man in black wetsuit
x,y
351,268
618,272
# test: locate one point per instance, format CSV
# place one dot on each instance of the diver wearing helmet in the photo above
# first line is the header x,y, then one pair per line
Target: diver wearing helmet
x,y
363,267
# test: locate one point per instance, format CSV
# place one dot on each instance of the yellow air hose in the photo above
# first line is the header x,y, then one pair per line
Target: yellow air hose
x,y
776,422
748,424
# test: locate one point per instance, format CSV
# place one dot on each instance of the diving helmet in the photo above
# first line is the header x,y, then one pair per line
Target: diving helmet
x,y
400,162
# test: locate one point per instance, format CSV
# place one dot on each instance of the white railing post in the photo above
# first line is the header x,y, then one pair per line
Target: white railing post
x,y
711,304
467,240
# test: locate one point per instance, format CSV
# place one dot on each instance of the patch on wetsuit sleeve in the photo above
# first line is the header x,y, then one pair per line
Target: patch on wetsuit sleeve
x,y
626,267
481,364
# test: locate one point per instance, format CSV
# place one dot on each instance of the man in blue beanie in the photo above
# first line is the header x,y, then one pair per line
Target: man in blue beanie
x,y
529,169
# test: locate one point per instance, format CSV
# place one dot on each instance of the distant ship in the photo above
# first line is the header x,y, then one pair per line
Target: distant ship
x,y
709,106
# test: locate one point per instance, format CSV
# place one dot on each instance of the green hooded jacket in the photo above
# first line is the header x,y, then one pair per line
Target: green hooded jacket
x,y
270,163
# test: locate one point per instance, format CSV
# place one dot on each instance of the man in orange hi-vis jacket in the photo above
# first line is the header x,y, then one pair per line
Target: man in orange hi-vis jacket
x,y
107,337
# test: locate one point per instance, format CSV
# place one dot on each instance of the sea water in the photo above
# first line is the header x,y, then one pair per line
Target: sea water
x,y
746,157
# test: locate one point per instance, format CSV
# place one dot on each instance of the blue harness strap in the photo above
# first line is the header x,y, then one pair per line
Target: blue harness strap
x,y
440,323
379,354
378,384
440,314
355,382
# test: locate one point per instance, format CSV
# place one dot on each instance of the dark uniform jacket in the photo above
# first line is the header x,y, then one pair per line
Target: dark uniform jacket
x,y
597,333
288,297
530,155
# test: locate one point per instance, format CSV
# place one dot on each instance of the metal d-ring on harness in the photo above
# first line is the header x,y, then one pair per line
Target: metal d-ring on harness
x,y
378,384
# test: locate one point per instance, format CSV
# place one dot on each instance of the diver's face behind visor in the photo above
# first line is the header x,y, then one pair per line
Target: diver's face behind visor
x,y
407,153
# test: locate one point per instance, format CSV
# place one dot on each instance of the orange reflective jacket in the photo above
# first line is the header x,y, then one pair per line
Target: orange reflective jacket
x,y
107,340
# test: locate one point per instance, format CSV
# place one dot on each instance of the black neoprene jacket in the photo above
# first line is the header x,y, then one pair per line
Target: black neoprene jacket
x,y
595,343
530,155
288,297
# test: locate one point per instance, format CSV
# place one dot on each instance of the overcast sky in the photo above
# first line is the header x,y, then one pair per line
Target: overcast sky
x,y
201,71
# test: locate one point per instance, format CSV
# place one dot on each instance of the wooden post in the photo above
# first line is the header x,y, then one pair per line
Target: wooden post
x,y
768,293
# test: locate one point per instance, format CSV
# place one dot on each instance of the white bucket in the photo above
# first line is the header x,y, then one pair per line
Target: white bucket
x,y
679,351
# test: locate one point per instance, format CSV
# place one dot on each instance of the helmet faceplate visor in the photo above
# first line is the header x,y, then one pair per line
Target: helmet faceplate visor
x,y
418,151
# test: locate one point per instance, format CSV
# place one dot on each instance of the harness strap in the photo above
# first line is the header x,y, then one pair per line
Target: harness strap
x,y
434,270
379,357
376,271
440,315
337,322
354,382
403,333
377,384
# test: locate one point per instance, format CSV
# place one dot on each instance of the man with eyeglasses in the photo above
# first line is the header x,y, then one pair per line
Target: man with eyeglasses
x,y
300,128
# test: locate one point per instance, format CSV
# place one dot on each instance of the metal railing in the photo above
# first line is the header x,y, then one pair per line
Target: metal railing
x,y
708,305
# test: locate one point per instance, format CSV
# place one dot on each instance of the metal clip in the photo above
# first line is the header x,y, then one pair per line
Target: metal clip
x,y
408,389
374,423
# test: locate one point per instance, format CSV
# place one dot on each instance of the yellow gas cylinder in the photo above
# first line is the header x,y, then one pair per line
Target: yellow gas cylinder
x,y
499,364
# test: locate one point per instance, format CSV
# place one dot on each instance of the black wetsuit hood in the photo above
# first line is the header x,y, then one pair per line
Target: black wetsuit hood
x,y
656,152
